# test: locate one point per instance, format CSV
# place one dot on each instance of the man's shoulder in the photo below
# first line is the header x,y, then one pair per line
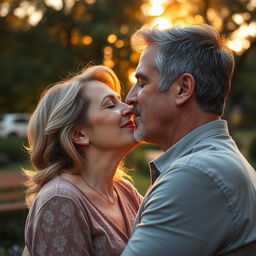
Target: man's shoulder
x,y
223,169
212,158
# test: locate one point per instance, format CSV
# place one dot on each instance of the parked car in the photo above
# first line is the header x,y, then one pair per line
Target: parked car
x,y
14,124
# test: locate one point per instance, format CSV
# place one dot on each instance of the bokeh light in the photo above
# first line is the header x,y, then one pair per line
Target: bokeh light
x,y
132,77
161,23
86,40
164,14
112,38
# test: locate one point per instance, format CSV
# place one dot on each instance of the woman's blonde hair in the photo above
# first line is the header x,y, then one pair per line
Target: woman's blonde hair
x,y
59,110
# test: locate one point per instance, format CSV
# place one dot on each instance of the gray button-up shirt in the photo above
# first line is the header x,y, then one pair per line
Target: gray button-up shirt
x,y
203,203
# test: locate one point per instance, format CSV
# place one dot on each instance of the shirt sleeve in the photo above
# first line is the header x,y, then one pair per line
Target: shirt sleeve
x,y
185,213
60,228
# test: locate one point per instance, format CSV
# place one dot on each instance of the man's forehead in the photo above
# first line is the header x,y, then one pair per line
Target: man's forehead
x,y
147,59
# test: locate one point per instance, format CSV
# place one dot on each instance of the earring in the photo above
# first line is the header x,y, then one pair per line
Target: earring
x,y
85,141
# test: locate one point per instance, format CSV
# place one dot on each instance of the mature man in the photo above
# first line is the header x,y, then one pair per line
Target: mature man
x,y
203,198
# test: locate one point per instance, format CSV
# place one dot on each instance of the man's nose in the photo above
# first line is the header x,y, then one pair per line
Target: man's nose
x,y
127,110
131,97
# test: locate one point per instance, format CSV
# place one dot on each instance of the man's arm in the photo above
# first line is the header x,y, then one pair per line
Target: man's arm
x,y
186,213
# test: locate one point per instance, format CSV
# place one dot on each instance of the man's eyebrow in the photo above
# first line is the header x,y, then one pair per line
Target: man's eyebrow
x,y
140,75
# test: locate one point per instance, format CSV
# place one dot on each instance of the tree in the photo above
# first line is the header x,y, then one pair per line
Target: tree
x,y
44,41
235,19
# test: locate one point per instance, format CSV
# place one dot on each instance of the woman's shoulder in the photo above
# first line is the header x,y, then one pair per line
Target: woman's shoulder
x,y
57,189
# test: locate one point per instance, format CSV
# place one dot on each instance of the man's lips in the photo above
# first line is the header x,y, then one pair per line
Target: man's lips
x,y
136,112
130,124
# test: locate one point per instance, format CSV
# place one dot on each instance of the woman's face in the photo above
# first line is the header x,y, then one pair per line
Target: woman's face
x,y
110,125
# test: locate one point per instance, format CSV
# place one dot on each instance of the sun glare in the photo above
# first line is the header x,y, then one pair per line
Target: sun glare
x,y
238,18
132,77
55,4
35,17
235,45
4,9
182,14
154,8
161,23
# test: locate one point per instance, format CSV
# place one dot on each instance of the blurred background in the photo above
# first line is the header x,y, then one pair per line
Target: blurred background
x,y
44,41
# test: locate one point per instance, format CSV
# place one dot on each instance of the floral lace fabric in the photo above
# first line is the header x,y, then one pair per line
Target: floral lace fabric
x,y
62,221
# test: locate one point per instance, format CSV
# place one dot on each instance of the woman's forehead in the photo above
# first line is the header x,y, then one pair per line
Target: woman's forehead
x,y
98,90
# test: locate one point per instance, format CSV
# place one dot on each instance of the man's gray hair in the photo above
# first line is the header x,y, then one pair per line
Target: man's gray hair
x,y
197,50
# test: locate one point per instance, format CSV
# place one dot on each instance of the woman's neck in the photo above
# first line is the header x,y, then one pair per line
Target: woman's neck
x,y
100,168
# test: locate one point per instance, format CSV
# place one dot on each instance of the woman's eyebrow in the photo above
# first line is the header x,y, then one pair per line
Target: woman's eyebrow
x,y
111,96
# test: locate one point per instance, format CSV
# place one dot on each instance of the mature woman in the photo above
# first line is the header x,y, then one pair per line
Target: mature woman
x,y
80,203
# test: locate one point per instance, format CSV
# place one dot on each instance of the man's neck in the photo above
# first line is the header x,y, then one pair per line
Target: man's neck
x,y
185,125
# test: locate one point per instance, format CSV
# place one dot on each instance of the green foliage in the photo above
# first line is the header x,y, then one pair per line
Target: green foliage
x,y
12,150
252,150
141,181
137,158
32,57
12,233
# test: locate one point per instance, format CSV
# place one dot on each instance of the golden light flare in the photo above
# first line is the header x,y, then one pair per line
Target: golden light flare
x,y
238,18
183,13
236,45
239,39
199,19
154,8
56,4
161,23
252,29
4,9
131,75
245,31
35,17
215,19
242,31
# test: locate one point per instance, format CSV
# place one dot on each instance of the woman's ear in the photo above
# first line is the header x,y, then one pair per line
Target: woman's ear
x,y
185,87
79,136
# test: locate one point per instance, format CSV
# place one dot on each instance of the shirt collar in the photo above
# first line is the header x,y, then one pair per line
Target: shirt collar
x,y
162,163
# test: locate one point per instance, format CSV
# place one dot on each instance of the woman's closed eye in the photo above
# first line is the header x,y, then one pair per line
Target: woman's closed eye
x,y
111,106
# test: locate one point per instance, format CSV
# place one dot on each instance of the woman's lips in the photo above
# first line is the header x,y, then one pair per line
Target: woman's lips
x,y
130,124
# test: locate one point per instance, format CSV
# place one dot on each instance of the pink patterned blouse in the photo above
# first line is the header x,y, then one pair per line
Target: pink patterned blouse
x,y
63,221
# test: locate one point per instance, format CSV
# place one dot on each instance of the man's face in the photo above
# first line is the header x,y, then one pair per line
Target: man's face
x,y
152,108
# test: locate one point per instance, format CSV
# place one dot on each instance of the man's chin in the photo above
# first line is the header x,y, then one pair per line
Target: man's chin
x,y
138,136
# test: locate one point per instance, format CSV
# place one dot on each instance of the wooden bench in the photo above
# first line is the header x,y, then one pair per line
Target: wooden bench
x,y
12,197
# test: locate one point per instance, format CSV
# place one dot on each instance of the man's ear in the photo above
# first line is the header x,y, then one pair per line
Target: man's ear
x,y
185,88
79,136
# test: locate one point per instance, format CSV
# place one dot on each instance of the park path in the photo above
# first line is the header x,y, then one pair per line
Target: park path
x,y
11,179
